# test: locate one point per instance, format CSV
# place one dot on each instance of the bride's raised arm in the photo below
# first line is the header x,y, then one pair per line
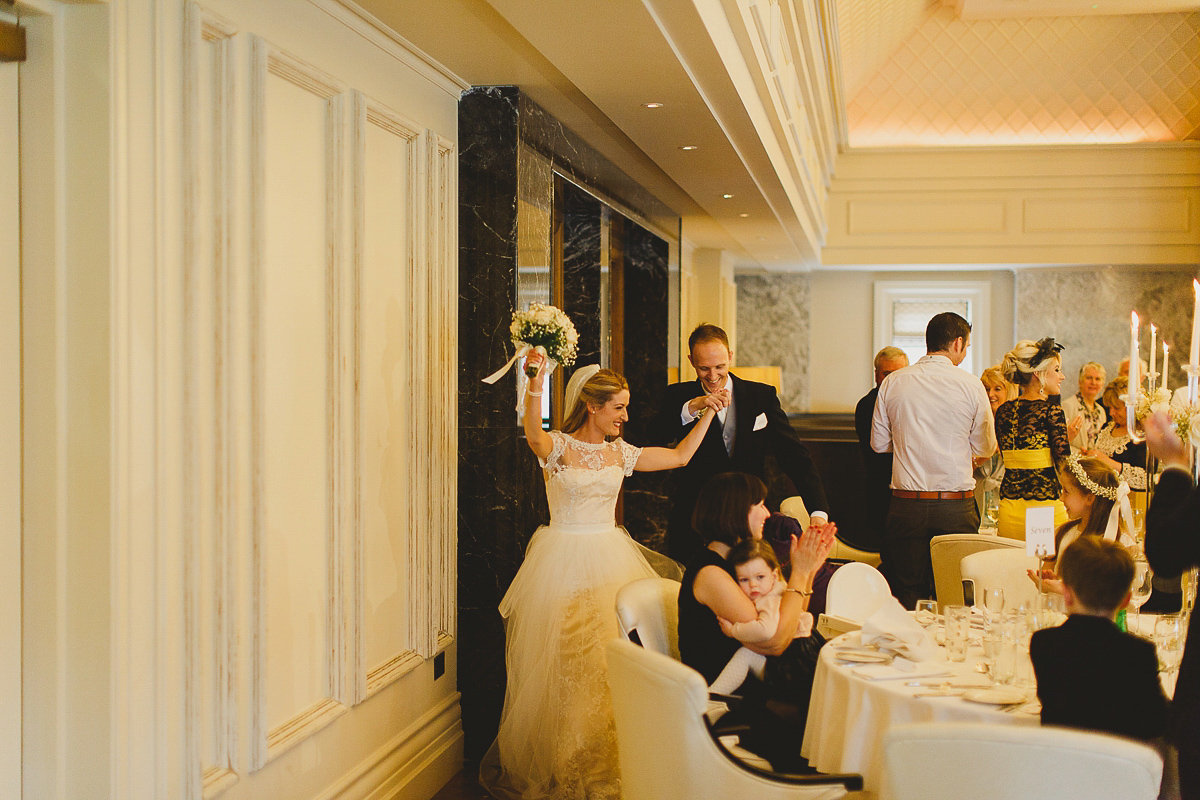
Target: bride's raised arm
x,y
653,459
539,441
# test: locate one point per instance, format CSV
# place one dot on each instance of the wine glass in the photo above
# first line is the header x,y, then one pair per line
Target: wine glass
x,y
1168,638
927,611
1143,585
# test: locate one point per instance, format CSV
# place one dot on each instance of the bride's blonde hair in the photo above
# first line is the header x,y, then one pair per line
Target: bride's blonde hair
x,y
598,390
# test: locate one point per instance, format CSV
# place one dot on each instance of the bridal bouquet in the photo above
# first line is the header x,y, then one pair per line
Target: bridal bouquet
x,y
547,328
543,328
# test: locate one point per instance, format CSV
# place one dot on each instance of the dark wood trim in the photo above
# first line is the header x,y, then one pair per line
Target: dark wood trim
x,y
12,41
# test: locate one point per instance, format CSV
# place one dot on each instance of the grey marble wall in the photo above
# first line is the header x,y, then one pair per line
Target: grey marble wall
x,y
772,330
1087,310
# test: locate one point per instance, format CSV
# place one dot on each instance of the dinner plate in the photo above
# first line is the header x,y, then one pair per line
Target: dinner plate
x,y
864,658
995,695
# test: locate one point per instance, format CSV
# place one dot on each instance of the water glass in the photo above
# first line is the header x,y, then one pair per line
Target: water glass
x,y
1142,587
1004,665
927,611
958,631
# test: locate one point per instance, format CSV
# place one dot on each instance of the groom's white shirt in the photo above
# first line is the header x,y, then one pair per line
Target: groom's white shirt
x,y
686,417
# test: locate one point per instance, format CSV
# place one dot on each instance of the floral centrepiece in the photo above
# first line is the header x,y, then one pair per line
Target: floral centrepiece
x,y
1185,418
546,327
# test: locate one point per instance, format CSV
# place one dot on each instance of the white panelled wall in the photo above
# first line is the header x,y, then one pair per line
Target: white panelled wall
x,y
267,323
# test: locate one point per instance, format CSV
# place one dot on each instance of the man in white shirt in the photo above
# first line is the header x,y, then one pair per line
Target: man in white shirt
x,y
934,418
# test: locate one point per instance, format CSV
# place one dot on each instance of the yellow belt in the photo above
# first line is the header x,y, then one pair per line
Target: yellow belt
x,y
1028,459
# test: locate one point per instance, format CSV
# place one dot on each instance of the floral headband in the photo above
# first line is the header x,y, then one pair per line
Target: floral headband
x,y
1086,482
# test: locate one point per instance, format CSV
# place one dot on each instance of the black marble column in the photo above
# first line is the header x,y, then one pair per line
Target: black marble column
x,y
500,500
645,266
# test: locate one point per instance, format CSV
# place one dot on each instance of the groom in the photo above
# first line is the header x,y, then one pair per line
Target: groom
x,y
752,423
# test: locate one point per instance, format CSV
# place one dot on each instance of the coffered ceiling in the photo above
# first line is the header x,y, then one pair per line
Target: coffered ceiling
x,y
918,73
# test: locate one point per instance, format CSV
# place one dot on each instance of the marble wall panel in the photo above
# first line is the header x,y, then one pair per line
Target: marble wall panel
x,y
772,328
1087,310
646,277
581,269
495,490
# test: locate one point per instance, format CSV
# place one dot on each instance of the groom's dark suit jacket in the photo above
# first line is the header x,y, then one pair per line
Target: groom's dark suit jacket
x,y
750,400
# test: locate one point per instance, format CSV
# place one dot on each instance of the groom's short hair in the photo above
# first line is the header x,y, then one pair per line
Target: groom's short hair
x,y
707,333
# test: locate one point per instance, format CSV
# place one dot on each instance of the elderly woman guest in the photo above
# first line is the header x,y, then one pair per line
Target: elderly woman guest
x,y
731,509
989,470
1085,409
1115,448
1032,435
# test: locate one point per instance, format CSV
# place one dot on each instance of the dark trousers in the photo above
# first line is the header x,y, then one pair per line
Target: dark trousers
x,y
910,526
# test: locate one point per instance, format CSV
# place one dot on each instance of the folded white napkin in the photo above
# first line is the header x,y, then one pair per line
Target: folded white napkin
x,y
893,628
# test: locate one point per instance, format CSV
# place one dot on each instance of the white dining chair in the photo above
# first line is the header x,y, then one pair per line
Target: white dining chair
x,y
1005,569
947,552
667,750
649,609
985,761
855,591
842,550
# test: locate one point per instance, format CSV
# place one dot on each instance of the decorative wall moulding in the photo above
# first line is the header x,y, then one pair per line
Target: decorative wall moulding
x,y
229,108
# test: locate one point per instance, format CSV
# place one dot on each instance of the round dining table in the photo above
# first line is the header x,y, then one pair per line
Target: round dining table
x,y
852,707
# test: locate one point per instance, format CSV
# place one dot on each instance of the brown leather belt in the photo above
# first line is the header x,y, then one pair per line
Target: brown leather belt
x,y
907,495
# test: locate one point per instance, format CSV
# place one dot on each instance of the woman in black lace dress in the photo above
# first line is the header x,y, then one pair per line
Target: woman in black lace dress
x,y
1032,435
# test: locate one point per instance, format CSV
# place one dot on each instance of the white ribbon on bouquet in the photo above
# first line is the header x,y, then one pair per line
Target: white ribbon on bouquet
x,y
523,349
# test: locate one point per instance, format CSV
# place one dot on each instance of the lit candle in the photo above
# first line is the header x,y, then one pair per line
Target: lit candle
x,y
1134,377
1153,354
1194,355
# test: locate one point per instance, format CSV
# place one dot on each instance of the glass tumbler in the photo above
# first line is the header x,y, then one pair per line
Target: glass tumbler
x,y
958,631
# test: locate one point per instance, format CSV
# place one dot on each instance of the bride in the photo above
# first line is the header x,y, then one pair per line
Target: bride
x,y
557,737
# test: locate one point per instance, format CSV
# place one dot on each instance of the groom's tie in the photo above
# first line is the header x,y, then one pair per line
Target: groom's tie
x,y
729,427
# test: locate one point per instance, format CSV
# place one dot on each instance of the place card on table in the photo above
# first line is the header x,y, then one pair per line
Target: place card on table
x,y
1039,531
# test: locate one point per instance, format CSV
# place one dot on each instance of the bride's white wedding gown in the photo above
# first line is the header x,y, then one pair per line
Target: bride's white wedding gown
x,y
557,738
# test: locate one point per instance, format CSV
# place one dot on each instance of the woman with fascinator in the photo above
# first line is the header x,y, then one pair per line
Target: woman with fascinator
x,y
557,738
1032,435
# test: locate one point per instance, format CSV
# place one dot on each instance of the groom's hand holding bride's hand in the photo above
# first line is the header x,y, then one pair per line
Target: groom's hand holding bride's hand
x,y
705,402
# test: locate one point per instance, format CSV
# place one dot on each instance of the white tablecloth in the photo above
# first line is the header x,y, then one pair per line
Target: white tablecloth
x,y
849,715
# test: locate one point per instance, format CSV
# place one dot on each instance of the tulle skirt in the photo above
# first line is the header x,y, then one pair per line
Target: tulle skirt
x,y
557,738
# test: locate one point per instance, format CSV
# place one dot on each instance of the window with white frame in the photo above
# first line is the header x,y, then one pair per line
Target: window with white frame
x,y
903,310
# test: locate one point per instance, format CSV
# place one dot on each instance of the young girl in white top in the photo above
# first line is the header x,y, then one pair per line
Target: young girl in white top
x,y
1097,503
759,576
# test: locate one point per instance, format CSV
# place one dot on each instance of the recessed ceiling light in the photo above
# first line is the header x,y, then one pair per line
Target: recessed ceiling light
x,y
689,147
727,196
743,215
651,105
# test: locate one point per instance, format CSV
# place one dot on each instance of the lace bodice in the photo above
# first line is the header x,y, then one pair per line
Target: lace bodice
x,y
583,480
